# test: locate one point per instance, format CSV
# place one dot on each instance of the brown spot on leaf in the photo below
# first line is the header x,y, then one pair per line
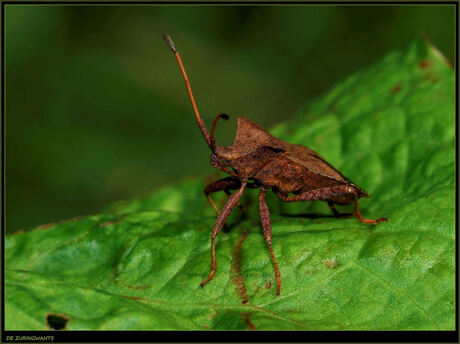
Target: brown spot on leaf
x,y
47,225
236,267
51,224
133,297
425,64
268,285
238,278
113,222
332,264
57,321
396,88
247,321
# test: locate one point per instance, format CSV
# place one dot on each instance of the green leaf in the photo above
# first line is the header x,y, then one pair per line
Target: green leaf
x,y
390,128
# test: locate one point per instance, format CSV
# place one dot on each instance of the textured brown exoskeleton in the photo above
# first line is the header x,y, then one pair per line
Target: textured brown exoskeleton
x,y
257,159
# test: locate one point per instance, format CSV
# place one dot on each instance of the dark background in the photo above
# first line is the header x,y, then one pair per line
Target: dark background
x,y
96,110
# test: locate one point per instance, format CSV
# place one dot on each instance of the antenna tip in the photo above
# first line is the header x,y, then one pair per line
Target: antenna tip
x,y
170,43
224,116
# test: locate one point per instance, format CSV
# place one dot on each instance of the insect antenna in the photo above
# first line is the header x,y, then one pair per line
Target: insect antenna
x,y
203,129
213,140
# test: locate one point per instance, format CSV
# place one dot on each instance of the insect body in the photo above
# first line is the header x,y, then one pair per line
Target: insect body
x,y
257,159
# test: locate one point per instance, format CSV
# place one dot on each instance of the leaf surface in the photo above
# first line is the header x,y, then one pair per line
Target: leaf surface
x,y
390,128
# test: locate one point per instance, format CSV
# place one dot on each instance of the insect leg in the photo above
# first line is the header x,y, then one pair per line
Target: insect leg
x,y
219,185
248,185
360,217
218,226
331,205
323,194
267,226
239,205
336,212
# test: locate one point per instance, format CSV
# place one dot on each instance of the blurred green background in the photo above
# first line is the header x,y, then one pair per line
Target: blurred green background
x,y
96,110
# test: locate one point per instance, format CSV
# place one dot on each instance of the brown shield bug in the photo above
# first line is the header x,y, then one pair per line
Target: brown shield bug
x,y
257,159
